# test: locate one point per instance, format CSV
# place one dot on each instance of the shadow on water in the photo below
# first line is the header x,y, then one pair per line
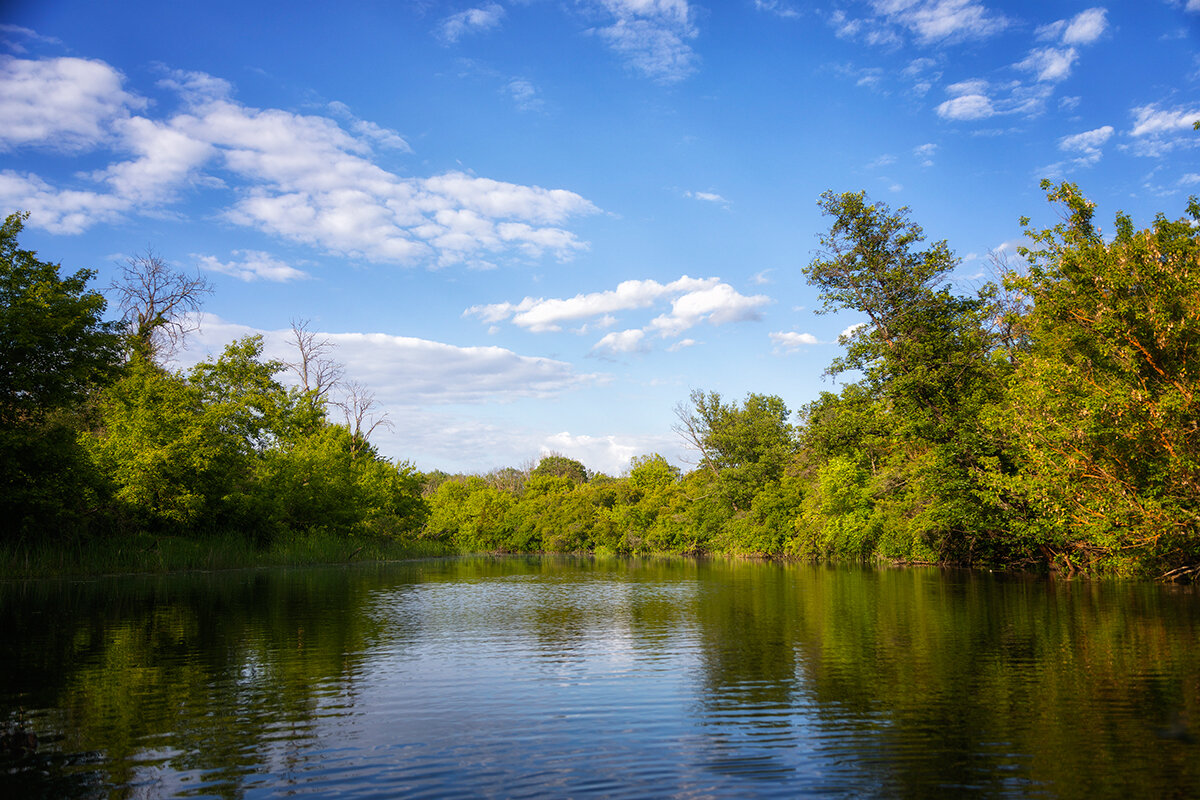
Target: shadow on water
x,y
628,678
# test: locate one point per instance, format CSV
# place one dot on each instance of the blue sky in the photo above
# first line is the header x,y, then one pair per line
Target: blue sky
x,y
537,226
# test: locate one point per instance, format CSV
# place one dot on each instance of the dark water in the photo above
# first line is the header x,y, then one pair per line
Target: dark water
x,y
577,678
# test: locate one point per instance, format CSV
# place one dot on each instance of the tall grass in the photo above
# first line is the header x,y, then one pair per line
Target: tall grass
x,y
146,553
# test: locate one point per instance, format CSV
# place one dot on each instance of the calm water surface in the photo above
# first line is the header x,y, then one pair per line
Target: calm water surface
x,y
531,677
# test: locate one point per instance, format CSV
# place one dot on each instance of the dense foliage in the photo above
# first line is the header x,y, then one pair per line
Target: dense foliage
x,y
1051,422
98,440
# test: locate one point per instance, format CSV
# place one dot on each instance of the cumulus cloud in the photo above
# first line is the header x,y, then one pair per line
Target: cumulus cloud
x,y
925,153
541,314
652,36
473,20
718,304
253,265
57,210
692,301
304,178
629,341
64,103
789,341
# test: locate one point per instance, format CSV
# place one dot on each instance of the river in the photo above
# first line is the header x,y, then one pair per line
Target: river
x,y
573,677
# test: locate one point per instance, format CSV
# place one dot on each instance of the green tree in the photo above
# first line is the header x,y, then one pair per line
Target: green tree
x,y
743,448
930,358
1106,401
168,458
55,351
55,347
557,465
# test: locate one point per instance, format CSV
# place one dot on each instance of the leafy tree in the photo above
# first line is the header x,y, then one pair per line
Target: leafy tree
x,y
55,351
742,447
54,346
240,389
929,356
169,460
557,465
1105,403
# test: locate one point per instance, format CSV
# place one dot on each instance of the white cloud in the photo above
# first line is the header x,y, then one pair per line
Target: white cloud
x,y
966,107
384,137
1190,178
56,210
1050,63
652,36
524,94
629,341
1150,120
719,305
609,454
930,22
1088,143
887,159
708,197
1054,64
541,314
300,177
473,20
693,300
405,371
978,99
851,330
1086,26
255,265
780,9
63,103
790,341
925,153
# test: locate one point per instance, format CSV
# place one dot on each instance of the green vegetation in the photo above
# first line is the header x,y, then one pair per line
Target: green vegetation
x,y
1051,422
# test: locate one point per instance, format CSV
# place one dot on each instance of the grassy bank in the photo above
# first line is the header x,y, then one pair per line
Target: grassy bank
x,y
145,553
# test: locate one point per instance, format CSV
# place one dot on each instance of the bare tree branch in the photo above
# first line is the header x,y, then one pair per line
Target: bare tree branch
x,y
317,370
158,303
357,406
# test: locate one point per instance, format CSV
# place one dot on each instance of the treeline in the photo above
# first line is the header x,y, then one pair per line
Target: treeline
x,y
1047,422
100,441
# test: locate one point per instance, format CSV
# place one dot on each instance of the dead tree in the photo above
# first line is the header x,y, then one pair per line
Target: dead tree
x,y
315,367
159,304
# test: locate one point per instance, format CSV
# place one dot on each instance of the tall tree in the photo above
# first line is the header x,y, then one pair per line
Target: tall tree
x,y
1106,403
928,354
55,351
